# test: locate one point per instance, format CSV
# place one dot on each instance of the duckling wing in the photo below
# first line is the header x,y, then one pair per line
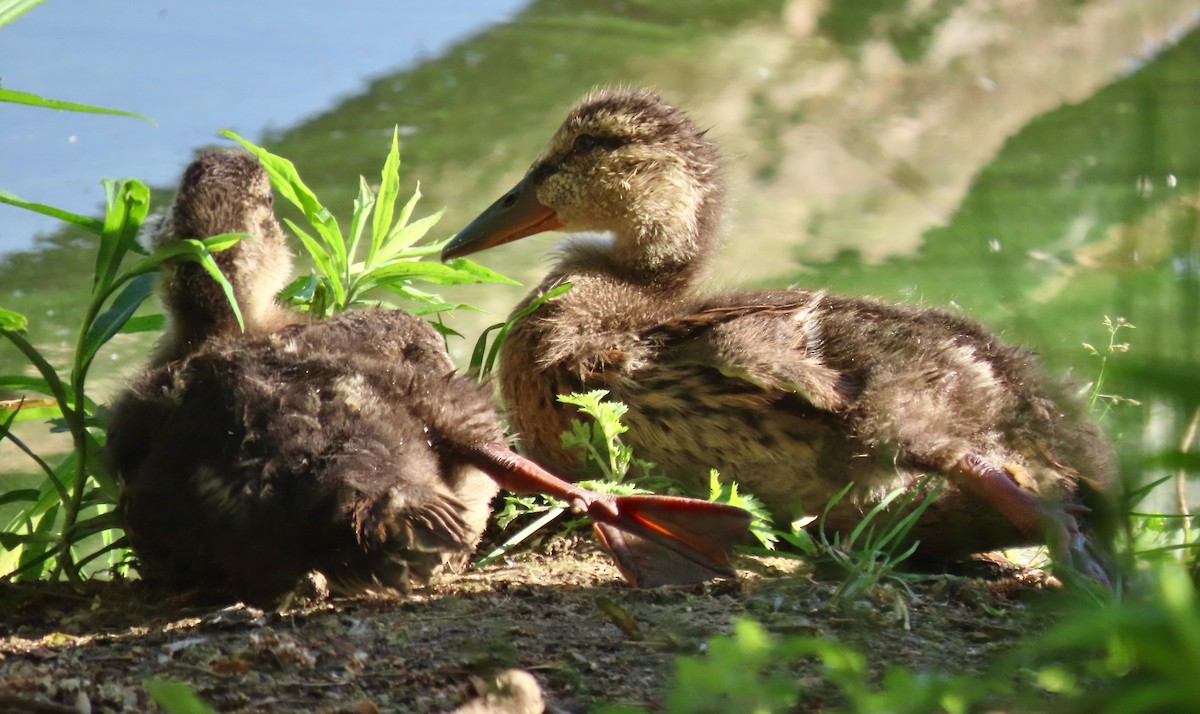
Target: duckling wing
x,y
773,343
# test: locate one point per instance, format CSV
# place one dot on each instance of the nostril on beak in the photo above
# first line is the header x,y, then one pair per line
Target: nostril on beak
x,y
509,199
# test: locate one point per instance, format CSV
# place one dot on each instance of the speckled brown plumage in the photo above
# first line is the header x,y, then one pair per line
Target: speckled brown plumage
x,y
793,393
347,446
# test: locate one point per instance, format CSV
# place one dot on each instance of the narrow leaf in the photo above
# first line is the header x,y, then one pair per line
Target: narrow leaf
x,y
405,236
33,100
321,260
407,211
128,204
91,225
17,410
453,273
287,183
110,322
25,383
358,219
143,323
18,495
385,201
12,9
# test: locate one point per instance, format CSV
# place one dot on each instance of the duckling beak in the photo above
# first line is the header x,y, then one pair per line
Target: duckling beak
x,y
515,215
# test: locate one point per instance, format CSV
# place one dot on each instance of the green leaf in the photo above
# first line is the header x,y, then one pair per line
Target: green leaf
x,y
321,259
456,272
407,211
96,524
385,201
18,410
111,321
13,321
176,698
358,218
20,382
127,203
144,323
17,495
532,307
14,97
194,250
287,183
12,9
404,236
91,225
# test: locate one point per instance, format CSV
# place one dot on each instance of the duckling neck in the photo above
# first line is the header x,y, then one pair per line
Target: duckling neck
x,y
670,242
198,310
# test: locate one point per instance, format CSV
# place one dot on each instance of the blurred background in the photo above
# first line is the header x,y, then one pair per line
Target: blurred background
x,y
1033,163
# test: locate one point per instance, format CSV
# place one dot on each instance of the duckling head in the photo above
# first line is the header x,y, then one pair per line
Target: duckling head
x,y
222,192
623,162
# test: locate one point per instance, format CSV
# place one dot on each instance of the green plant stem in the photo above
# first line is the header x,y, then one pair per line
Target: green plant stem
x,y
76,423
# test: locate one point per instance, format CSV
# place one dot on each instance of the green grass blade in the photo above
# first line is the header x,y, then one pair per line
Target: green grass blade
x,y
363,205
480,350
524,312
12,9
12,96
127,204
409,205
524,533
91,225
385,200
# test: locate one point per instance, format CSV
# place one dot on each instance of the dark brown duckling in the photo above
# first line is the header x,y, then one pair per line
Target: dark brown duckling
x,y
793,393
347,446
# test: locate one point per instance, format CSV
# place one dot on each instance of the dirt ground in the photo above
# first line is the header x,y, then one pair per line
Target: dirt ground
x,y
564,616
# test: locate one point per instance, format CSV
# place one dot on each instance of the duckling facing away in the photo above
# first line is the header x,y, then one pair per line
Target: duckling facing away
x,y
793,393
347,446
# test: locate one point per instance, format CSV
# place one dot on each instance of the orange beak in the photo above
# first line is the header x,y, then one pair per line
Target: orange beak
x,y
515,215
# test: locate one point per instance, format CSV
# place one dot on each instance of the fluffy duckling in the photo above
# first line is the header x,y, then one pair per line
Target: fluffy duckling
x,y
347,446
793,393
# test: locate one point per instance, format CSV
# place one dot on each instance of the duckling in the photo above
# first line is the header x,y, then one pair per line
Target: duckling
x,y
347,446
792,393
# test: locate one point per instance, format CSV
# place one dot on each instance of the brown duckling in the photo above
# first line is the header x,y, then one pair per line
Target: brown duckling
x,y
793,393
347,446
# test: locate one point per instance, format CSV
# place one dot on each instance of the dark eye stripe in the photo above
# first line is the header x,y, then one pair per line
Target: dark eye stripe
x,y
587,142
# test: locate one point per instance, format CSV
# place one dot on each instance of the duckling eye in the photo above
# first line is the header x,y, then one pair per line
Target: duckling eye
x,y
585,142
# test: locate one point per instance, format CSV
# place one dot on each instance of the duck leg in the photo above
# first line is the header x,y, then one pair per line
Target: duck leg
x,y
655,540
1035,517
